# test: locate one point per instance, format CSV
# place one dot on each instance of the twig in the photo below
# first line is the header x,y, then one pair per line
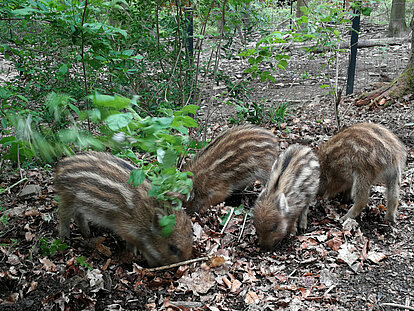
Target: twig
x,y
347,108
396,305
187,304
244,223
227,221
177,264
8,188
18,163
292,273
329,289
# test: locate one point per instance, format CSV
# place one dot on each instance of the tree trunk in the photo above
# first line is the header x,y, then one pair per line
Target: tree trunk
x,y
299,4
401,86
397,24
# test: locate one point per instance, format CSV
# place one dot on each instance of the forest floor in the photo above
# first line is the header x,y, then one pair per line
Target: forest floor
x,y
364,265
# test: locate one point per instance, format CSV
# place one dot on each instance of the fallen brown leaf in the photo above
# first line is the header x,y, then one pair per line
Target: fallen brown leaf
x,y
251,297
33,286
334,243
48,265
216,261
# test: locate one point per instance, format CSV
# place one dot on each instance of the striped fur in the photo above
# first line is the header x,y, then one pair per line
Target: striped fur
x,y
292,186
356,158
233,160
93,187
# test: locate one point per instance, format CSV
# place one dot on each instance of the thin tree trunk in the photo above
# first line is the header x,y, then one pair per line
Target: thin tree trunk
x,y
397,24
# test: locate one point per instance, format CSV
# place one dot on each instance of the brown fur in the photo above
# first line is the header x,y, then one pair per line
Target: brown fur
x,y
283,204
93,187
356,158
230,162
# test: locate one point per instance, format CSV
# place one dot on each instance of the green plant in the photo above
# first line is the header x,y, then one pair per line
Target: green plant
x,y
278,114
4,218
13,243
165,139
48,248
258,114
250,112
82,261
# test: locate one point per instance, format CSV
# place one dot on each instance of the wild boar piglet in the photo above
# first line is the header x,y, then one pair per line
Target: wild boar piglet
x,y
358,157
93,187
283,204
232,161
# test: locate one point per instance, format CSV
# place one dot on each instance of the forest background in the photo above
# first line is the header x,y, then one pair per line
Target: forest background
x,y
153,81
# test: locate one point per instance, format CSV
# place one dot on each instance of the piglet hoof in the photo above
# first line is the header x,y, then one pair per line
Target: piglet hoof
x,y
303,225
390,219
350,224
344,218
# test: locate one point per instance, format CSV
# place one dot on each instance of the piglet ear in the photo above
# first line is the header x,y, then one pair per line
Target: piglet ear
x,y
283,204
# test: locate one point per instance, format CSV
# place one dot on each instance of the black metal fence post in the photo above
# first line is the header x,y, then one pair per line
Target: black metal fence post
x,y
352,58
190,31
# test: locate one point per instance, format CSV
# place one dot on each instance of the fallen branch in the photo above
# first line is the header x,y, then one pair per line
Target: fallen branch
x,y
15,184
242,229
177,264
329,289
395,305
187,304
227,221
344,45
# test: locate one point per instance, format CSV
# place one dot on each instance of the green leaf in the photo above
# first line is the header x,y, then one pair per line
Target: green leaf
x,y
136,177
366,11
118,121
183,121
282,64
167,225
190,109
167,158
19,152
247,53
160,154
128,52
24,11
4,93
74,108
23,98
117,102
63,69
154,191
8,140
